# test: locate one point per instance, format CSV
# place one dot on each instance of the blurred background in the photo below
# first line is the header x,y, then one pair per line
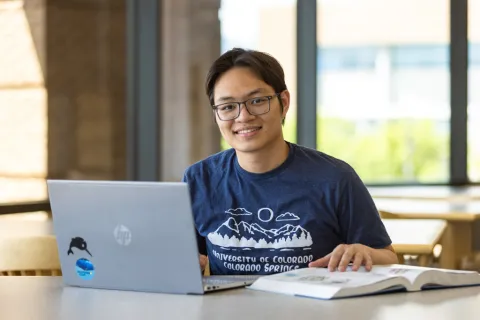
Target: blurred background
x,y
112,89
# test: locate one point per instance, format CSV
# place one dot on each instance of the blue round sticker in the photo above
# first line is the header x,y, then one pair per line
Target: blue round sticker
x,y
85,269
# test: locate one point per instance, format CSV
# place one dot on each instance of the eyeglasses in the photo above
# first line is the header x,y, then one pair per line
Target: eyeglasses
x,y
255,106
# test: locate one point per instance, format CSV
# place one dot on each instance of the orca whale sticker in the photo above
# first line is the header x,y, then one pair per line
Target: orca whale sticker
x,y
78,243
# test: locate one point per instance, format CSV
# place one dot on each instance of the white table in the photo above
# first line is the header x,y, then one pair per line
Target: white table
x,y
461,211
45,298
426,192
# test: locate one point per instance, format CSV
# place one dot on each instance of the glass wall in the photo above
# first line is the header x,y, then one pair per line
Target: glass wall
x,y
265,25
383,88
473,92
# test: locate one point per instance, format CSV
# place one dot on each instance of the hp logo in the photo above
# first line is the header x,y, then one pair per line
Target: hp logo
x,y
122,235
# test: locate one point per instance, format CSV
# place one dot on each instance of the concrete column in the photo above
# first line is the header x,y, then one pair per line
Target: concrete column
x,y
190,42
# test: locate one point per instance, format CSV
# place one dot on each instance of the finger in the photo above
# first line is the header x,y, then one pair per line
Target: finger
x,y
336,256
346,258
357,261
203,261
368,262
322,262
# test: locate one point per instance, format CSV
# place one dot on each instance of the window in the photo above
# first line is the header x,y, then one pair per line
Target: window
x,y
383,88
420,55
346,58
265,25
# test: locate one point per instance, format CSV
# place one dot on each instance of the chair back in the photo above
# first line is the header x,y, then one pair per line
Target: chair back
x,y
29,256
387,215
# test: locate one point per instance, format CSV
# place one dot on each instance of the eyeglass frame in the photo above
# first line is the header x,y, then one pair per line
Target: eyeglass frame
x,y
240,103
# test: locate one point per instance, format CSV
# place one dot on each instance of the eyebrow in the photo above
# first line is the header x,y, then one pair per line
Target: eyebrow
x,y
251,93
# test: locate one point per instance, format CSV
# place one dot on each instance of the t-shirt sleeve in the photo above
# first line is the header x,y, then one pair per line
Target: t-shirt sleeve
x,y
359,218
201,242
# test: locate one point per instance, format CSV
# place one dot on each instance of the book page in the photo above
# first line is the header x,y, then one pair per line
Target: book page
x,y
321,283
323,277
447,278
411,273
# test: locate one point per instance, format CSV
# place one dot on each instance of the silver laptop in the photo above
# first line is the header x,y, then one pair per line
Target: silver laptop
x,y
137,236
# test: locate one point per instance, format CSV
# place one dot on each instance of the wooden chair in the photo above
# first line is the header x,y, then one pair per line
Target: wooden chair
x,y
387,215
206,272
416,241
29,256
471,262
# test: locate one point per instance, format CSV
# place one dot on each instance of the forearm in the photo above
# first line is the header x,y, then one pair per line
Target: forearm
x,y
383,256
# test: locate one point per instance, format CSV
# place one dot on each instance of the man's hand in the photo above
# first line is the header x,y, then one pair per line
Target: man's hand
x,y
343,254
203,261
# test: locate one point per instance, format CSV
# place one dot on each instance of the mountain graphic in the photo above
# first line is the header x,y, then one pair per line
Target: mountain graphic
x,y
239,212
243,234
287,216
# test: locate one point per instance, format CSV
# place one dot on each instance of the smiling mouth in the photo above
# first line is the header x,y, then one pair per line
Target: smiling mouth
x,y
248,130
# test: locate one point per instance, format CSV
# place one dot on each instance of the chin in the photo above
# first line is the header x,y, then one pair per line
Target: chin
x,y
250,146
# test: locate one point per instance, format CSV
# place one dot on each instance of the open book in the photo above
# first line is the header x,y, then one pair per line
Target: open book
x,y
323,284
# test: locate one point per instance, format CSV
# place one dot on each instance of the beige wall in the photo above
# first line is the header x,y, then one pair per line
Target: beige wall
x,y
86,76
23,109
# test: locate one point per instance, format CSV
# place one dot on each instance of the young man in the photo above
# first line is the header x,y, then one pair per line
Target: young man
x,y
266,205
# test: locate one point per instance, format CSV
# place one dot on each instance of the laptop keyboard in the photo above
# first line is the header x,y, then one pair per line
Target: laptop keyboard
x,y
217,280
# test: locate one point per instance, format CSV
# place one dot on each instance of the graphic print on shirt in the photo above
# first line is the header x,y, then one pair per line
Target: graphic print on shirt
x,y
253,235
261,243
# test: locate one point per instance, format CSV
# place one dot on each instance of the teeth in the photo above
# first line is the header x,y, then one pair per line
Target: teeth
x,y
247,130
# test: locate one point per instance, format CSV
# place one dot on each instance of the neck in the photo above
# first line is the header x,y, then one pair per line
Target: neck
x,y
264,160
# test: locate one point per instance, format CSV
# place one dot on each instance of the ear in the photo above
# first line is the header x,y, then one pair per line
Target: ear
x,y
285,98
214,114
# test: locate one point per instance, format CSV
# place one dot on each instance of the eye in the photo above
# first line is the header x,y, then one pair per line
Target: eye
x,y
227,107
258,100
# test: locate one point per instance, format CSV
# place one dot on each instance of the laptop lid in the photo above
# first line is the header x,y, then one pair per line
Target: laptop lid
x,y
126,235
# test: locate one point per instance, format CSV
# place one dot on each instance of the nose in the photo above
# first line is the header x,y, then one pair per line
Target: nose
x,y
244,116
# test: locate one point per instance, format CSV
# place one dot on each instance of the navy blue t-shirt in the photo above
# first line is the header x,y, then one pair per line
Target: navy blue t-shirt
x,y
281,220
